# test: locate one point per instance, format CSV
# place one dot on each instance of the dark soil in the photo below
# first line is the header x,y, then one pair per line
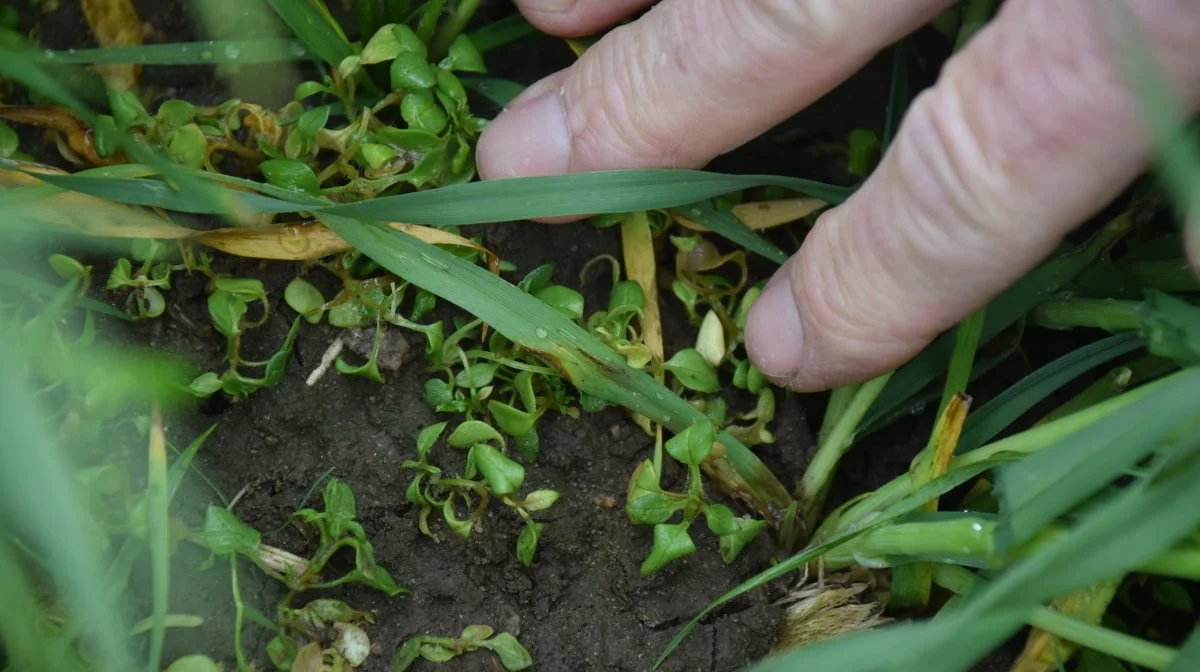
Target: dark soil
x,y
583,604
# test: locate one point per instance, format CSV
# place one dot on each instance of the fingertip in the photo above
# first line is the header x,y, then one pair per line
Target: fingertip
x,y
775,332
577,18
529,138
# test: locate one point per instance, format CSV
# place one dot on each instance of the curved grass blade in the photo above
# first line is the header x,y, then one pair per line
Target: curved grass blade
x,y
184,53
36,286
314,27
578,356
617,191
1008,406
499,91
502,32
727,225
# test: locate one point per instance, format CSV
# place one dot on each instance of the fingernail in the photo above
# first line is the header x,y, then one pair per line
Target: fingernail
x,y
774,334
528,139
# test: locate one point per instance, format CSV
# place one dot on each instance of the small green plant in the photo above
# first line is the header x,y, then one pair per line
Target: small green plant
x,y
647,503
512,656
337,528
488,473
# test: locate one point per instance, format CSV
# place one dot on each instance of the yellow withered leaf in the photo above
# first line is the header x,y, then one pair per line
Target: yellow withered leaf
x,y
762,215
115,23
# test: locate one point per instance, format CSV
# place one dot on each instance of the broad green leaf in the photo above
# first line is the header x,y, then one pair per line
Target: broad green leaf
x,y
383,46
412,72
463,56
408,40
626,294
504,476
305,299
499,33
194,663
421,112
671,542
406,655
691,369
527,542
513,421
745,530
563,299
437,653
224,534
187,145
472,432
512,655
290,174
499,91
475,634
429,436
479,375
720,520
175,114
692,445
226,311
460,527
339,505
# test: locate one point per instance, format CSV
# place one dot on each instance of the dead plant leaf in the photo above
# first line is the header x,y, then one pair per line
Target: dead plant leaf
x,y
763,215
832,606
115,23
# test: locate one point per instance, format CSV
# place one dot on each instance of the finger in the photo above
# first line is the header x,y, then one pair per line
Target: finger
x,y
1030,130
574,18
688,81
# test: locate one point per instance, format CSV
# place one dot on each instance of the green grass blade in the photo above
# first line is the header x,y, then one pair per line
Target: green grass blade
x,y
473,203
499,91
184,462
35,286
728,226
502,32
577,355
246,52
902,506
1188,658
158,534
1002,312
1043,486
1122,534
1008,406
37,491
314,28
962,360
601,192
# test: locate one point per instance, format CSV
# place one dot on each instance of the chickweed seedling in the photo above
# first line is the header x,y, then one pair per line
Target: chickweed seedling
x,y
512,656
647,503
488,472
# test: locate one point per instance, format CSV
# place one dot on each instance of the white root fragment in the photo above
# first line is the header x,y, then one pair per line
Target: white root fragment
x,y
327,360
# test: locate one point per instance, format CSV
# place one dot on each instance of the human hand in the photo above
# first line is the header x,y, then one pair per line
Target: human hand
x,y
1029,130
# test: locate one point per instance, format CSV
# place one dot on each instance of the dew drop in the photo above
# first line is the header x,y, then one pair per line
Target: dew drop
x,y
232,52
660,396
977,527
206,55
541,333
296,49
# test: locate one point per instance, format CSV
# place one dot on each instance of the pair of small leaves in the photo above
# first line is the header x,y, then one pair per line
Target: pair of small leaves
x,y
693,371
338,528
693,444
513,656
504,475
563,299
305,299
237,385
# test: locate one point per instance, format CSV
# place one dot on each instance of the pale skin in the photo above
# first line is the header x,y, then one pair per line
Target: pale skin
x,y
1028,132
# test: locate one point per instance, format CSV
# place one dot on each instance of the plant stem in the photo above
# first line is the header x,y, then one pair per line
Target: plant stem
x,y
1029,441
958,539
1108,314
814,485
1171,275
453,26
1095,637
238,609
839,400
